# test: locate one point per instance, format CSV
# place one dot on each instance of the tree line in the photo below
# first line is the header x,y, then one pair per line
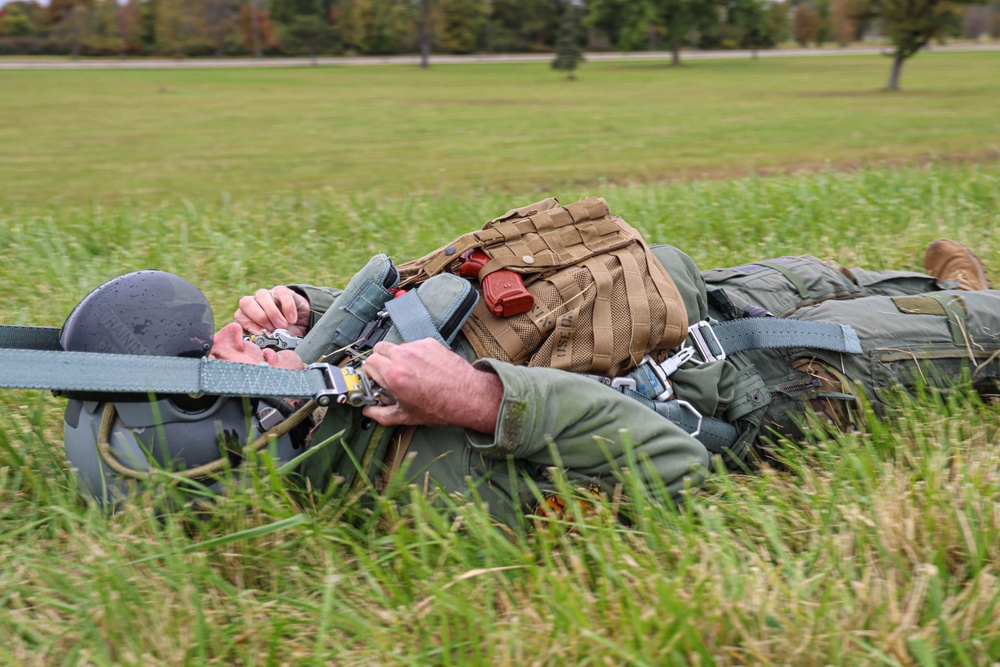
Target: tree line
x,y
179,28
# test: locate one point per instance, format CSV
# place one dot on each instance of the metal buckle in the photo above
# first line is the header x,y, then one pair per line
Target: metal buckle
x,y
661,377
626,382
690,408
336,387
279,339
348,385
703,336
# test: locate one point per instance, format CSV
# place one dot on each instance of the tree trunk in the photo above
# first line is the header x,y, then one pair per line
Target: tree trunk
x,y
425,34
897,67
675,50
120,24
255,29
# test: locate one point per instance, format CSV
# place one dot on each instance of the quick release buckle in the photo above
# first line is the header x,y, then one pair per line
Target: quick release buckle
x,y
336,386
279,339
706,342
664,370
347,385
372,333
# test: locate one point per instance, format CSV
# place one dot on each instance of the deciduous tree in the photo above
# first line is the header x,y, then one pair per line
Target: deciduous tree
x,y
777,21
106,38
75,28
14,22
805,24
425,32
679,17
525,25
909,24
220,19
376,26
842,26
626,23
750,17
460,24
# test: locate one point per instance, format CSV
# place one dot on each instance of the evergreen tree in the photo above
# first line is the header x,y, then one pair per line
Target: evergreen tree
x,y
568,51
310,34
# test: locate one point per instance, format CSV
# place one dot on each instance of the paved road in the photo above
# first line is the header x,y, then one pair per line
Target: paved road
x,y
201,63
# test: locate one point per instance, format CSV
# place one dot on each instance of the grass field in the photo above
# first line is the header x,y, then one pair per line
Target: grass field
x,y
78,136
881,547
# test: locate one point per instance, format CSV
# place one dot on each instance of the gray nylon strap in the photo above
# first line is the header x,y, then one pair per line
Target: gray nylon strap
x,y
761,333
126,373
29,338
412,319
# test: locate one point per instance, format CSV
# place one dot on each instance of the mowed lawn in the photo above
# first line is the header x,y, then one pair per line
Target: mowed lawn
x,y
875,547
82,136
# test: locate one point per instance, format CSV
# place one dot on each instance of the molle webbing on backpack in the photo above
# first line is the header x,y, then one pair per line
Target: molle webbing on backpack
x,y
602,300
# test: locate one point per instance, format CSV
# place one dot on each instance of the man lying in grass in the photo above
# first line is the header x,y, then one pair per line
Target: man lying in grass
x,y
495,426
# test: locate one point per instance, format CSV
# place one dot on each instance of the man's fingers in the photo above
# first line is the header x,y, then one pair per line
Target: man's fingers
x,y
250,315
285,299
375,366
384,349
387,415
266,300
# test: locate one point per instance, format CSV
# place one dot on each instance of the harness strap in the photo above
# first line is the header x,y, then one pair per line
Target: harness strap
x,y
765,333
412,319
29,338
799,284
716,435
138,374
648,382
954,310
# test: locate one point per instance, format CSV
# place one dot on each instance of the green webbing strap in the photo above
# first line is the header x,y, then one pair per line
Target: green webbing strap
x,y
954,308
136,374
792,278
29,338
412,319
765,333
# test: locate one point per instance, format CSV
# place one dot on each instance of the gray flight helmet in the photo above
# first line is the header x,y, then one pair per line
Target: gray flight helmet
x,y
117,442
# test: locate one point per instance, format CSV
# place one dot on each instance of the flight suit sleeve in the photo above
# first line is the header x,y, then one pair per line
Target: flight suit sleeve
x,y
584,420
320,299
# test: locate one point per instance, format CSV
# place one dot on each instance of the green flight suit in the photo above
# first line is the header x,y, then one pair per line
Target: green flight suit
x,y
554,418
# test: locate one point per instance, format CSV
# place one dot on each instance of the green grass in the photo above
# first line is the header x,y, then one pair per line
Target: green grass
x,y
879,547
82,136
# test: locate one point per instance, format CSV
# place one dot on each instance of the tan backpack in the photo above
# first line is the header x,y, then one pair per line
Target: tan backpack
x,y
601,299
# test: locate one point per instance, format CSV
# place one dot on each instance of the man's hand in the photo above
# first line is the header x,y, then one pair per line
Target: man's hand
x,y
432,386
228,345
276,308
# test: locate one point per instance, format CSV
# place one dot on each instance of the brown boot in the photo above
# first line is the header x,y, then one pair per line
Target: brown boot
x,y
949,260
